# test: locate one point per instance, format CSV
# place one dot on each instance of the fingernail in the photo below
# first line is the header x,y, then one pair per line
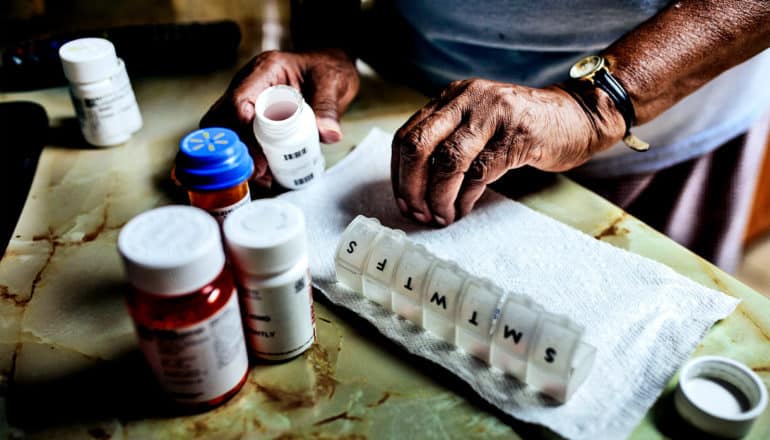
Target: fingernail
x,y
440,220
402,205
330,130
422,218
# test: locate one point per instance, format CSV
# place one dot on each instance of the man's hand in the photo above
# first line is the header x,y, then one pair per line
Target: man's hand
x,y
327,78
476,130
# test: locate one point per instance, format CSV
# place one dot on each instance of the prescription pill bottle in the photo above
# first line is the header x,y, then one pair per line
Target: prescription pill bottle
x,y
214,166
184,305
101,91
268,248
285,128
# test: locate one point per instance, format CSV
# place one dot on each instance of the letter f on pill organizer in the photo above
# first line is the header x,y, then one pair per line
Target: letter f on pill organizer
x,y
507,331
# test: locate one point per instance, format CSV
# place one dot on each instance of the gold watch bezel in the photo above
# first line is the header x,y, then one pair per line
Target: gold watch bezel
x,y
587,67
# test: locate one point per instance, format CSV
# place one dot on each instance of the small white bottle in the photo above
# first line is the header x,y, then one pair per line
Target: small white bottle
x,y
101,91
268,248
286,129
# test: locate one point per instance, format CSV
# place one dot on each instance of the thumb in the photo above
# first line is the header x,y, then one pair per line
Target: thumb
x,y
325,105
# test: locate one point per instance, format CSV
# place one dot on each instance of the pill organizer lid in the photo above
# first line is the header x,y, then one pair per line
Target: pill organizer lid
x,y
171,250
265,237
704,404
88,59
211,159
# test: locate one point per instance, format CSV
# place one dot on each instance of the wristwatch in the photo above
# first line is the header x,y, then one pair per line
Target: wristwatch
x,y
593,68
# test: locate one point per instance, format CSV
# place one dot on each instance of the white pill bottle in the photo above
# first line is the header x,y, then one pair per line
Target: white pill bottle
x,y
286,129
267,244
101,91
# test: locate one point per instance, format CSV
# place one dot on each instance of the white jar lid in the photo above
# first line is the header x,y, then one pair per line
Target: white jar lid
x,y
265,237
171,250
720,396
88,59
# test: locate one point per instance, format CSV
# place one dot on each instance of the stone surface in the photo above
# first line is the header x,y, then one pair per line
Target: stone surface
x,y
65,335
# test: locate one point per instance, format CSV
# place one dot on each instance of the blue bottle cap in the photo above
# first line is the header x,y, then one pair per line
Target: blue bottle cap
x,y
211,159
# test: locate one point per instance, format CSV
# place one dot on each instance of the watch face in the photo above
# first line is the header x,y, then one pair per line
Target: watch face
x,y
587,66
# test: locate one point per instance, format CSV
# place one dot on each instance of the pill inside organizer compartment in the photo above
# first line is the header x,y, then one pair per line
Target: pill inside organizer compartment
x,y
513,335
409,280
441,298
383,258
354,246
558,361
479,311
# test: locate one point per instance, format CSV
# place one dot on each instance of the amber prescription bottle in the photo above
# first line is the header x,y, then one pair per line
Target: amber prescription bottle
x,y
268,248
184,305
214,166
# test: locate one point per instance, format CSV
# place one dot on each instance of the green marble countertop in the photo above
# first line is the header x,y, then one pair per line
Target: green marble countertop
x,y
67,349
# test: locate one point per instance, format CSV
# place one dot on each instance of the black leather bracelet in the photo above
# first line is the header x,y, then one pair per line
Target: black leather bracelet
x,y
594,69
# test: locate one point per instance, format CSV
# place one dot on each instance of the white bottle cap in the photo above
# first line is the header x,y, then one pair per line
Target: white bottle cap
x,y
88,59
265,237
171,250
720,396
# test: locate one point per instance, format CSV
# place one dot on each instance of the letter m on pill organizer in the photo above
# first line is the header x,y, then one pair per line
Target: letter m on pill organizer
x,y
507,331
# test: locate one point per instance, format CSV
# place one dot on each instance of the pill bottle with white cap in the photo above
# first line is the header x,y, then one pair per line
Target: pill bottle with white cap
x,y
268,248
101,91
286,129
184,305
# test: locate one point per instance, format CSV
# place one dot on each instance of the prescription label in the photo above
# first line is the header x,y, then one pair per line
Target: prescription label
x,y
220,214
280,322
198,363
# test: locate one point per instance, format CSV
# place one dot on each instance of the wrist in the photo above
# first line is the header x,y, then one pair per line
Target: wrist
x,y
606,122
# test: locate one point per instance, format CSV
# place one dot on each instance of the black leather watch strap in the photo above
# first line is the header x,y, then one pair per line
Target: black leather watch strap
x,y
593,68
605,81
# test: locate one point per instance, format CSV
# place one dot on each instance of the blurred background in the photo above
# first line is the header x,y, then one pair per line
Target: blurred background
x,y
258,19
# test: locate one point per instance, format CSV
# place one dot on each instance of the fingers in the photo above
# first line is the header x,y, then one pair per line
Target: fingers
x,y
395,156
415,148
325,103
451,159
331,89
471,192
486,168
235,109
266,70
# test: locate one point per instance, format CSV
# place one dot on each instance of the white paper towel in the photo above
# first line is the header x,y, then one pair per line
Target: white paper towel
x,y
643,318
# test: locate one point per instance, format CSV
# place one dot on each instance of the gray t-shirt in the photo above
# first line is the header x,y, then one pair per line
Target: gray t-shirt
x,y
535,42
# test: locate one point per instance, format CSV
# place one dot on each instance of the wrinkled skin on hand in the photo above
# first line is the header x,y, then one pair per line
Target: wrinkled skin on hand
x,y
327,78
444,156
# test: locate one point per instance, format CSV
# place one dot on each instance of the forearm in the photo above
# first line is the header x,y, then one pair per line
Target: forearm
x,y
322,24
683,47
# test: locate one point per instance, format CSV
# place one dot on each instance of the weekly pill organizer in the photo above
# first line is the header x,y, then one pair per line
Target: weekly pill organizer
x,y
506,330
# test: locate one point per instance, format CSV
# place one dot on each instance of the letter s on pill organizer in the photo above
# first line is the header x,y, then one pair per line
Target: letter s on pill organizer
x,y
507,331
